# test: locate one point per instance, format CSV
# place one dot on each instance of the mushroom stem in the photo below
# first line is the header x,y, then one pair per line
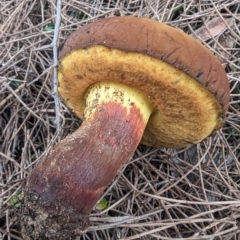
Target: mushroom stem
x,y
66,184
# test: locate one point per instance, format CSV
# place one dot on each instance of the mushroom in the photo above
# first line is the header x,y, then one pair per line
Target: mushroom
x,y
131,80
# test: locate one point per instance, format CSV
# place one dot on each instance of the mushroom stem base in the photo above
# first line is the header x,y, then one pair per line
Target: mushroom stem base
x,y
66,184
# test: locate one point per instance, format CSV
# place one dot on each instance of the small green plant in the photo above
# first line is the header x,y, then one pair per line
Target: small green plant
x,y
16,200
102,204
48,28
176,12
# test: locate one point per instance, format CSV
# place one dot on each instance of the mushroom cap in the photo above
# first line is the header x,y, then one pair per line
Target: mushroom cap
x,y
186,83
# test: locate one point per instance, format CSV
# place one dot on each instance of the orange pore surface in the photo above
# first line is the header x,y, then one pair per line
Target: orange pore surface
x,y
185,111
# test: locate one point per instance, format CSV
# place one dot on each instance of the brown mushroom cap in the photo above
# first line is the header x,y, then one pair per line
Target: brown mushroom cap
x,y
184,80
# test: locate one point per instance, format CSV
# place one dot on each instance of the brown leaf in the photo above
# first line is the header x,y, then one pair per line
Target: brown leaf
x,y
212,28
226,41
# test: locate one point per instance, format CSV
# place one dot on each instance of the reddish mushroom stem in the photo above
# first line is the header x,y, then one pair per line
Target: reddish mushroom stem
x,y
66,184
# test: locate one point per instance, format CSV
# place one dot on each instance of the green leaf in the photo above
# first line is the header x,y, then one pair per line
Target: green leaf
x,y
48,28
15,200
102,204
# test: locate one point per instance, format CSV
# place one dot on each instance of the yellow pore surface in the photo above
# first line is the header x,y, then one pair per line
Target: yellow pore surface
x,y
185,112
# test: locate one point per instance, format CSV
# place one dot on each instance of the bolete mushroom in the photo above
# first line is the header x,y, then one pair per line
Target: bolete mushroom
x,y
132,80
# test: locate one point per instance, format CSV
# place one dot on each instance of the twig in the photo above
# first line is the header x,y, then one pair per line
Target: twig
x,y
55,62
4,101
53,45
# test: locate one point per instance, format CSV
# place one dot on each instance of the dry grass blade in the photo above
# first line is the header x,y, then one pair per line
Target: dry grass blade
x,y
161,193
